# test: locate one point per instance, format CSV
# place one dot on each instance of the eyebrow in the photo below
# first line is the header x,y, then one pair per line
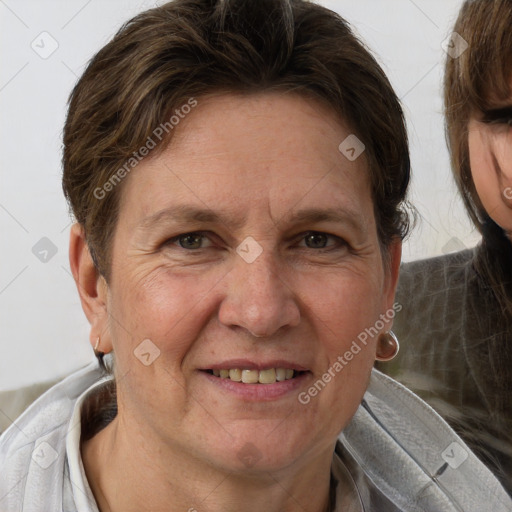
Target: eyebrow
x,y
184,214
317,215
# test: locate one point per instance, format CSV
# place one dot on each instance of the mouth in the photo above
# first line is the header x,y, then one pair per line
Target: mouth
x,y
257,381
255,376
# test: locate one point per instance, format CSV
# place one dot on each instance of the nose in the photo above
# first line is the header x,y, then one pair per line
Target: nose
x,y
257,298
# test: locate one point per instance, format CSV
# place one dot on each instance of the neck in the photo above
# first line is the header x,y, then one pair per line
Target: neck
x,y
124,478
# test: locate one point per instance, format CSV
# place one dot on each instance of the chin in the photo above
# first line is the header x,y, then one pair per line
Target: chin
x,y
259,451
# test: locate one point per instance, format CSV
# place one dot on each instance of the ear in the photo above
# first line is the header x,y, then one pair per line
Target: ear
x,y
92,288
392,271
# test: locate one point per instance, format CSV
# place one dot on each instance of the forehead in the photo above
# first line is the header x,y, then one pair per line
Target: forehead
x,y
266,151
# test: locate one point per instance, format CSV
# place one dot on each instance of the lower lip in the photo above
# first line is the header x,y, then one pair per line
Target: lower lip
x,y
258,392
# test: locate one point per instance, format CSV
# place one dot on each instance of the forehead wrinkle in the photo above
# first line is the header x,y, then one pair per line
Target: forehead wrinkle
x,y
185,213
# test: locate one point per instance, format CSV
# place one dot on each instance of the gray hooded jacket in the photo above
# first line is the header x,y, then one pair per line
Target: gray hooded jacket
x,y
397,455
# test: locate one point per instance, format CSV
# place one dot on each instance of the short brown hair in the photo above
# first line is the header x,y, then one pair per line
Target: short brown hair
x,y
187,49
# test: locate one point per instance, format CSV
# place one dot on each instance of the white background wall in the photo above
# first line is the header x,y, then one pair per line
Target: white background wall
x,y
43,332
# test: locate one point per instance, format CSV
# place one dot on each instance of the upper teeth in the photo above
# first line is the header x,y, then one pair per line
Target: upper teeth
x,y
256,376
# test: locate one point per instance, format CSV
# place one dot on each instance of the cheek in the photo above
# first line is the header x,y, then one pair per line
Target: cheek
x,y
503,152
480,161
166,308
343,309
348,303
493,183
349,316
502,148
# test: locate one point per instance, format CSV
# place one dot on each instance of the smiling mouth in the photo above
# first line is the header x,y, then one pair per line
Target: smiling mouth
x,y
268,376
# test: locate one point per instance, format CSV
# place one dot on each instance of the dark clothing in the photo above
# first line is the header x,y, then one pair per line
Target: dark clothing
x,y
456,352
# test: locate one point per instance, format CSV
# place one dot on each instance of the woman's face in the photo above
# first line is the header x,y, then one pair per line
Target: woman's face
x,y
250,243
490,155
